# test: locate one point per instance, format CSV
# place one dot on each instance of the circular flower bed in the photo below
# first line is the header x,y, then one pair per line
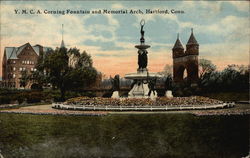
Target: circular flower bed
x,y
93,101
160,101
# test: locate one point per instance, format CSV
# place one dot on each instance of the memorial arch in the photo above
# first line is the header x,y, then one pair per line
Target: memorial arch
x,y
186,60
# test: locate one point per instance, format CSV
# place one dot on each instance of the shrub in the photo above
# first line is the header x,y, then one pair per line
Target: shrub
x,y
21,97
5,99
34,97
36,86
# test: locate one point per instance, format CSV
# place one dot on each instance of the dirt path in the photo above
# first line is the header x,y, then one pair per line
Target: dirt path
x,y
48,110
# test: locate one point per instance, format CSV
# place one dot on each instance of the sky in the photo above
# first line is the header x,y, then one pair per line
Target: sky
x,y
220,27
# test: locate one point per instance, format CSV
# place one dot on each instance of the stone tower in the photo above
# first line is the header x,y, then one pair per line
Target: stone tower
x,y
187,60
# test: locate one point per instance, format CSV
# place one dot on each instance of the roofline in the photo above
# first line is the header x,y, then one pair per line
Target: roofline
x,y
18,46
33,49
12,53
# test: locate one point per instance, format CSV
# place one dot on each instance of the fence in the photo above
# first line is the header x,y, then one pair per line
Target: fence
x,y
141,108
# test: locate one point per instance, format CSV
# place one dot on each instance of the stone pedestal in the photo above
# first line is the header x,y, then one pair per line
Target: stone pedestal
x,y
115,95
153,95
139,90
140,87
168,94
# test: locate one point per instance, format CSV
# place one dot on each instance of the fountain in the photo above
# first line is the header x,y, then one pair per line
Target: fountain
x,y
143,81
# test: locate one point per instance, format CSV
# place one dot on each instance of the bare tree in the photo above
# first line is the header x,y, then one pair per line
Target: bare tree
x,y
205,66
167,70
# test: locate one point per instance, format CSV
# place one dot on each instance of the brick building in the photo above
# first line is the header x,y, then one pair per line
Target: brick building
x,y
186,60
17,60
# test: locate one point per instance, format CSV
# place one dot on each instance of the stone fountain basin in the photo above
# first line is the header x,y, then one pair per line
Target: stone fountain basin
x,y
142,46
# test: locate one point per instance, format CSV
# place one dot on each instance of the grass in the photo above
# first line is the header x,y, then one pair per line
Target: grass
x,y
159,135
229,96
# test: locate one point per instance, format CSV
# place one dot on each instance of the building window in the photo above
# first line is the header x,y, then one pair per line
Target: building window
x,y
14,68
28,62
34,69
23,62
31,69
14,75
14,61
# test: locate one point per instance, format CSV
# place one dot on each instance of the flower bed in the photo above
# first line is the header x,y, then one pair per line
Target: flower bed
x,y
194,100
93,101
160,101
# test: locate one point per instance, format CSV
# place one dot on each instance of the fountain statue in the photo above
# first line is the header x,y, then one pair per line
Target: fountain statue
x,y
144,82
168,87
115,86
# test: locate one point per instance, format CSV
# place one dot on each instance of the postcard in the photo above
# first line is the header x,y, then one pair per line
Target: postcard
x,y
148,60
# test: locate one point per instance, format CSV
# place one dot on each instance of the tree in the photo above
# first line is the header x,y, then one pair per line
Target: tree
x,y
235,77
232,78
84,60
24,79
206,66
167,70
55,69
40,77
211,82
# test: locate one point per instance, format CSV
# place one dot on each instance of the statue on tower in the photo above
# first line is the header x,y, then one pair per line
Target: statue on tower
x,y
142,52
142,31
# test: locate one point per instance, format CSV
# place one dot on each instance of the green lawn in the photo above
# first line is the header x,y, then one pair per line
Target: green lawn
x,y
156,135
229,96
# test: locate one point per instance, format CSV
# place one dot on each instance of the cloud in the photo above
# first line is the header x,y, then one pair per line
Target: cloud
x,y
221,28
225,53
241,5
117,6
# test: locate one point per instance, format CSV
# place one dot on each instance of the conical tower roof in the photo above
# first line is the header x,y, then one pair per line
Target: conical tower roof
x,y
192,39
178,43
62,44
